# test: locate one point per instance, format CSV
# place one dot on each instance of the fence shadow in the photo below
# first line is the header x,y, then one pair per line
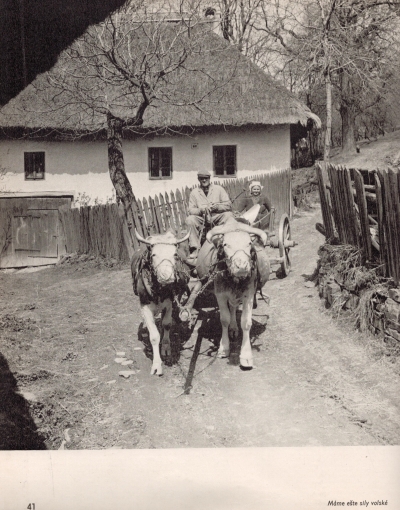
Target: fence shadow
x,y
17,428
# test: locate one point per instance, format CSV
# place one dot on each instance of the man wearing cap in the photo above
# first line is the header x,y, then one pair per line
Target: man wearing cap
x,y
255,198
207,202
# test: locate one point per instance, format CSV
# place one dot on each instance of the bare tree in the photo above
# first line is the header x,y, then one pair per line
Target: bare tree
x,y
364,40
238,22
135,63
344,44
344,47
237,18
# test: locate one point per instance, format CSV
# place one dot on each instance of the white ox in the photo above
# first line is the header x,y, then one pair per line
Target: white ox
x,y
158,276
237,284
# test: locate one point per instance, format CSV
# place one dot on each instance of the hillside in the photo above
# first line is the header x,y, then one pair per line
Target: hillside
x,y
375,154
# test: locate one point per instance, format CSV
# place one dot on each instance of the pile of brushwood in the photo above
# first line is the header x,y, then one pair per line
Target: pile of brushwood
x,y
347,285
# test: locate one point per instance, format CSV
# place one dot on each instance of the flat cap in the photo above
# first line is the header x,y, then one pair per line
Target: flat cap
x,y
203,173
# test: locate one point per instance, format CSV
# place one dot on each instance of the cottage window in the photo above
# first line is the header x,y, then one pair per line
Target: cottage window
x,y
34,165
224,160
160,162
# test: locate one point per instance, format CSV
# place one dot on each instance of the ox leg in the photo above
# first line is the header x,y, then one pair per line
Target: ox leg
x,y
148,312
233,325
166,324
225,317
246,356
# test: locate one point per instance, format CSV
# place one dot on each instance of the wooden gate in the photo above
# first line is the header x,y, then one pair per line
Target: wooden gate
x,y
31,233
35,234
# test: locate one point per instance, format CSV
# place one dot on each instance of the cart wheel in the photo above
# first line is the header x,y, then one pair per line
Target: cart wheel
x,y
284,237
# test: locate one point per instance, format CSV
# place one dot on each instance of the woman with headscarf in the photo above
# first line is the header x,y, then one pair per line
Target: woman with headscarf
x,y
244,204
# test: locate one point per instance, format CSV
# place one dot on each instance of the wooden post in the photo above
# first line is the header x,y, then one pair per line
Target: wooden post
x,y
336,211
395,222
177,218
363,214
164,213
157,210
181,206
148,216
168,207
387,219
325,208
352,224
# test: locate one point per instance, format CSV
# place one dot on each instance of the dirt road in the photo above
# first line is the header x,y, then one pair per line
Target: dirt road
x,y
316,381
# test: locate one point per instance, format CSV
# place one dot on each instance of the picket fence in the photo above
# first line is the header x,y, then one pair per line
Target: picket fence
x,y
362,208
106,230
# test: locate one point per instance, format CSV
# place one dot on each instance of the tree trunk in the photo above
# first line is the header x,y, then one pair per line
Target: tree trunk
x,y
116,167
116,164
328,132
347,113
226,23
348,129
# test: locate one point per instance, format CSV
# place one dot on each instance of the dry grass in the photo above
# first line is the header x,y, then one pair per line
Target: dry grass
x,y
345,263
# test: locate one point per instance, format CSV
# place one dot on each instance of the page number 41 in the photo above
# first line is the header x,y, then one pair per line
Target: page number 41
x,y
31,506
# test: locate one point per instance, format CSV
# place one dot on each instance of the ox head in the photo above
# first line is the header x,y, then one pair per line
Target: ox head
x,y
163,255
235,245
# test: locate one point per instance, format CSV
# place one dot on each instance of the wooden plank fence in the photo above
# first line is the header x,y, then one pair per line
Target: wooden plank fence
x,y
103,230
362,214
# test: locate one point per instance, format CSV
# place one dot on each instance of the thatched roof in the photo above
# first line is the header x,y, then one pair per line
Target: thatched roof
x,y
234,92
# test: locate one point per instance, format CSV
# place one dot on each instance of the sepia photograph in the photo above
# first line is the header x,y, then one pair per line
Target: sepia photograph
x,y
199,254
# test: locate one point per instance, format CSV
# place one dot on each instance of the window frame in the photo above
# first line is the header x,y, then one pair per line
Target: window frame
x,y
159,177
225,174
33,176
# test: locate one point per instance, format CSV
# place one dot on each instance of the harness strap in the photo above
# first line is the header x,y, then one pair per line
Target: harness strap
x,y
147,285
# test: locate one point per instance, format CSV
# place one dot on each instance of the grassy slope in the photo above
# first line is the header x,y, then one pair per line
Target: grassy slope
x,y
375,154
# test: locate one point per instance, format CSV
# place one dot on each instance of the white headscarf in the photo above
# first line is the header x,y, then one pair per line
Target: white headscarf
x,y
255,183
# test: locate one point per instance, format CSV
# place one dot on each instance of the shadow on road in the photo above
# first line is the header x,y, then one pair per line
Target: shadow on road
x,y
210,330
17,428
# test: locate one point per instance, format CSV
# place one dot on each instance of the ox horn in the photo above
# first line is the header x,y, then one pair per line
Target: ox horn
x,y
185,238
229,226
237,225
140,238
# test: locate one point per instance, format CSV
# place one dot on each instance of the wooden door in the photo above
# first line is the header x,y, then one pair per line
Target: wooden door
x,y
35,236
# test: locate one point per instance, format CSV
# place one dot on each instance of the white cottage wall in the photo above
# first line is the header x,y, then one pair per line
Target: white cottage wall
x,y
82,166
